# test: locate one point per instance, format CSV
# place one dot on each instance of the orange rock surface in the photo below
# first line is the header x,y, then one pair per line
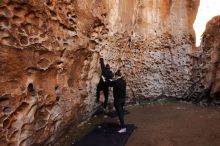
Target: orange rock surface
x,y
49,58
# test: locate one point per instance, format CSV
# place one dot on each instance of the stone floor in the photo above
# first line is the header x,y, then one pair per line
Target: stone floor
x,y
168,124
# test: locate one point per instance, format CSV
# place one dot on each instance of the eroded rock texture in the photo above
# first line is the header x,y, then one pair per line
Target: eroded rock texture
x,y
49,58
47,73
210,47
152,42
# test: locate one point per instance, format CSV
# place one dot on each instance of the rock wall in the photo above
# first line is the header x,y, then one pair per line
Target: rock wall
x,y
210,47
152,42
49,58
47,71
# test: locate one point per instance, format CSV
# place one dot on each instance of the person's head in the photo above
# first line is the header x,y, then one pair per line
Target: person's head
x,y
107,66
118,73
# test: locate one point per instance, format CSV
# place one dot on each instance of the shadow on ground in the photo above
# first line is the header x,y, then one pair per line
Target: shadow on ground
x,y
161,124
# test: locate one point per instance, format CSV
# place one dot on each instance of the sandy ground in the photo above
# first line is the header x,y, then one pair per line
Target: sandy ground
x,y
169,124
174,124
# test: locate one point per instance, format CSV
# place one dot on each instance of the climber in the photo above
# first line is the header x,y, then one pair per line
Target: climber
x,y
102,85
119,93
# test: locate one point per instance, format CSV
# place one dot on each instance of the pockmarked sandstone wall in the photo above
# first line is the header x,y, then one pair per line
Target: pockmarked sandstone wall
x,y
152,42
210,47
48,74
49,58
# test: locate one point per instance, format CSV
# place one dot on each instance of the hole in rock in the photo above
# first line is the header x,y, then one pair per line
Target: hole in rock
x,y
6,109
49,2
24,40
18,9
17,19
56,87
31,89
53,14
68,14
22,107
57,98
3,98
6,123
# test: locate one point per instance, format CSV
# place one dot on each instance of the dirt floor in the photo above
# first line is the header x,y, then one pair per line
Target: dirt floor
x,y
174,124
169,124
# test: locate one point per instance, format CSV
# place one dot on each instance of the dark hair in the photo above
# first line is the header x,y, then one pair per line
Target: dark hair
x,y
118,73
107,66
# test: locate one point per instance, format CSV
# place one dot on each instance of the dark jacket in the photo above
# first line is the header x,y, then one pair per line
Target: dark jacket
x,y
106,72
119,89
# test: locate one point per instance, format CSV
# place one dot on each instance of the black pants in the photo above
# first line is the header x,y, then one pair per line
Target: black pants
x,y
119,107
102,87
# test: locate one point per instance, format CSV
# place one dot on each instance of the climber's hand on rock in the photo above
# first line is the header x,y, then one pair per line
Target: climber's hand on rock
x,y
101,59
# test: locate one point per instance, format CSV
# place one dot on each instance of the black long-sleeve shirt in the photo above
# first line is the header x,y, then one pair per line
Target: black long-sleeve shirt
x,y
106,73
119,88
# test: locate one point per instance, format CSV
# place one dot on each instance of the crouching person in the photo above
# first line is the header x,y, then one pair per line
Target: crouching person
x,y
119,93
